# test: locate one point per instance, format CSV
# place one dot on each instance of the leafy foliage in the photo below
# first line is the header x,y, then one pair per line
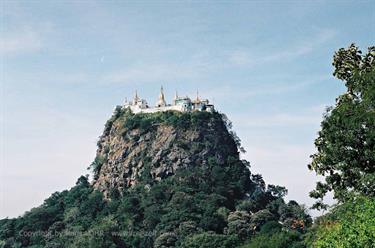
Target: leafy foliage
x,y
351,224
346,142
145,121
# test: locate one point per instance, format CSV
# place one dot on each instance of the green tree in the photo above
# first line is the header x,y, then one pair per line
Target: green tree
x,y
167,239
239,223
346,143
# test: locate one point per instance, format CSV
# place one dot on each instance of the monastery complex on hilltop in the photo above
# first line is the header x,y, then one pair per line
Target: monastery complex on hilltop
x,y
183,104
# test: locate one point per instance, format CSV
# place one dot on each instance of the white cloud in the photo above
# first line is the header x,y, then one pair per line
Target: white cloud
x,y
262,89
310,116
241,57
23,41
244,57
303,48
199,63
135,74
282,119
208,62
156,72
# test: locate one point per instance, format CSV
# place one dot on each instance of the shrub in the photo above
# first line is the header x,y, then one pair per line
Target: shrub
x,y
97,164
355,226
209,240
275,240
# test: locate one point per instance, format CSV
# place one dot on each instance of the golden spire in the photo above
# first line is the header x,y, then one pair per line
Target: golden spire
x,y
161,96
136,98
161,102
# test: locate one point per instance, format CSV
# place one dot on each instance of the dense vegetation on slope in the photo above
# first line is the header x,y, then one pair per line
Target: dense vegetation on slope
x,y
351,224
208,205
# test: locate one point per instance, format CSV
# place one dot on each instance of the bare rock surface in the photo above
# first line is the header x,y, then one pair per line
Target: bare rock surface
x,y
159,149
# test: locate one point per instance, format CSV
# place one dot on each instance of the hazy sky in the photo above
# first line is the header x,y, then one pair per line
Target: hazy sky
x,y
66,64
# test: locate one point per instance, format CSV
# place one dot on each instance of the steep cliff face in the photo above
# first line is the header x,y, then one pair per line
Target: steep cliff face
x,y
135,146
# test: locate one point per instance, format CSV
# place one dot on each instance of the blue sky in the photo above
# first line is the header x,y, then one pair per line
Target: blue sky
x,y
266,64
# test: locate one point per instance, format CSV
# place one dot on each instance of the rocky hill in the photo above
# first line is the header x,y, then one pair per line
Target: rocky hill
x,y
166,179
157,145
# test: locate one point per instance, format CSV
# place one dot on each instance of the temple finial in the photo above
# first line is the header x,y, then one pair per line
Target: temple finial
x,y
175,98
161,102
136,98
161,96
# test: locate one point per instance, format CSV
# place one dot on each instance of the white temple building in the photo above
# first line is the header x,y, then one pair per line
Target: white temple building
x,y
182,104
